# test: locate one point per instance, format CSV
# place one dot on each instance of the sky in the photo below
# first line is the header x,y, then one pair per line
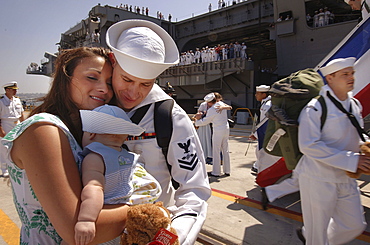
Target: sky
x,y
28,28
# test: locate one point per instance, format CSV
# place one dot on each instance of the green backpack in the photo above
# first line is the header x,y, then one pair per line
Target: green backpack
x,y
292,94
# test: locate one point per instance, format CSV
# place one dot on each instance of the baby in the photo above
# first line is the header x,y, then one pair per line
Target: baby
x,y
110,174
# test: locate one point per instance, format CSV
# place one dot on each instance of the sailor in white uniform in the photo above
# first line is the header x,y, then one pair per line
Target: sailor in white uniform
x,y
11,113
331,205
363,5
264,160
142,51
220,136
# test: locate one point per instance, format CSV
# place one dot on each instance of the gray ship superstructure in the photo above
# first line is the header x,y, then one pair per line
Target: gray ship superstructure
x,y
274,48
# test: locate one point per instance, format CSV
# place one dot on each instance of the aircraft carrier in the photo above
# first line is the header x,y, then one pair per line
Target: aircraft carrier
x,y
275,49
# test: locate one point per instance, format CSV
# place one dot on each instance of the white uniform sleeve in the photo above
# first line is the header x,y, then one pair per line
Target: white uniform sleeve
x,y
211,113
186,157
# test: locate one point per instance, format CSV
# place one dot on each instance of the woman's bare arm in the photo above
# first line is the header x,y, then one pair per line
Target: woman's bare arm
x,y
44,152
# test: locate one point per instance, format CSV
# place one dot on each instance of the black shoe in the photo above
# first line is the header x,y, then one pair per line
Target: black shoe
x,y
213,175
227,174
300,235
264,199
254,171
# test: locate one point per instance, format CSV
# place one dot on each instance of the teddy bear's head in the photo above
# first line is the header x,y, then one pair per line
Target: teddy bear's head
x,y
148,223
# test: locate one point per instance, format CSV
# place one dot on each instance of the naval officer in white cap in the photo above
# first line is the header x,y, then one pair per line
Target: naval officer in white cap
x,y
11,113
142,51
331,205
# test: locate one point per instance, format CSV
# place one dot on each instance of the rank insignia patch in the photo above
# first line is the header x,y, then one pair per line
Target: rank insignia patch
x,y
189,160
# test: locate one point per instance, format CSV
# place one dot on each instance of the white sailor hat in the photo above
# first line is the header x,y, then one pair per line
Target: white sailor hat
x,y
142,48
337,64
262,88
209,97
108,119
13,85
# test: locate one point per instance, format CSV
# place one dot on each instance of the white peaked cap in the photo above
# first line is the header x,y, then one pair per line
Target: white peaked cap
x,y
337,64
262,88
108,119
209,97
13,85
142,48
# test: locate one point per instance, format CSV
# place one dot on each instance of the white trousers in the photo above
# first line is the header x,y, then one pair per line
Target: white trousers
x,y
287,186
332,212
220,143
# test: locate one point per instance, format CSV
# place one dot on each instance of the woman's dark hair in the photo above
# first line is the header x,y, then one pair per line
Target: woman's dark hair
x,y
218,96
58,101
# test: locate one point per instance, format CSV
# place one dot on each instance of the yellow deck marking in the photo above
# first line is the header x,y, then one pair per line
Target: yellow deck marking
x,y
8,229
287,214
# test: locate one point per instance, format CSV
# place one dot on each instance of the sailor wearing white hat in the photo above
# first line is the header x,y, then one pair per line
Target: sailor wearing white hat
x,y
331,205
142,51
262,88
263,159
107,166
142,48
220,135
243,51
11,113
362,5
337,64
209,97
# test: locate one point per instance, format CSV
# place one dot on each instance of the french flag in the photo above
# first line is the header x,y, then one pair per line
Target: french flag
x,y
356,44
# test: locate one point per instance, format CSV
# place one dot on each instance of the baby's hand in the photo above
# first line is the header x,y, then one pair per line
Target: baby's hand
x,y
84,232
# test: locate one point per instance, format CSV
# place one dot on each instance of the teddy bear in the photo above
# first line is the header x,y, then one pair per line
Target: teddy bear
x,y
149,224
365,149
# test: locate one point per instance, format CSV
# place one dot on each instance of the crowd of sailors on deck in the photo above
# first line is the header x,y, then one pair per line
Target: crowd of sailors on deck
x,y
222,4
142,10
94,37
145,10
322,17
219,52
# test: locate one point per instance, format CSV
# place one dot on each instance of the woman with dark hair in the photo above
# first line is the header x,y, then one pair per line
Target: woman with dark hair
x,y
42,152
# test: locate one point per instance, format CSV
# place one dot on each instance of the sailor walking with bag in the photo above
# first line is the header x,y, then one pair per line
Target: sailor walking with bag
x,y
264,160
331,205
